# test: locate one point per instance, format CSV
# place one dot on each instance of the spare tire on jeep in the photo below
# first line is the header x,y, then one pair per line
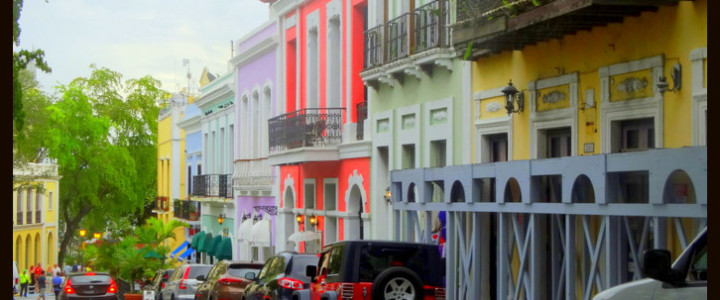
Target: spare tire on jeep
x,y
397,283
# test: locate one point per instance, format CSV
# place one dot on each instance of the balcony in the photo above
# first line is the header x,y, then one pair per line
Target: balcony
x,y
187,210
408,44
360,115
253,172
491,26
162,203
213,185
310,134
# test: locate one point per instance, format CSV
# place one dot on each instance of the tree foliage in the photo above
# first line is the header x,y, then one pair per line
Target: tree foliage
x,y
102,133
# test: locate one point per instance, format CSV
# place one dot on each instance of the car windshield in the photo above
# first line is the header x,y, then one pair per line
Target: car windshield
x,y
240,272
80,279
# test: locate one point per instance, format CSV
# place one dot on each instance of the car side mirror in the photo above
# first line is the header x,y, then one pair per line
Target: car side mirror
x,y
310,271
657,265
250,276
200,277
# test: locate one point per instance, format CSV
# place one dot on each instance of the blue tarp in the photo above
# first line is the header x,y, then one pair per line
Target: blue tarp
x,y
179,248
186,253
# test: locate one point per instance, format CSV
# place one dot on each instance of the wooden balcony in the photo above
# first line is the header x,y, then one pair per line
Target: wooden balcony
x,y
485,27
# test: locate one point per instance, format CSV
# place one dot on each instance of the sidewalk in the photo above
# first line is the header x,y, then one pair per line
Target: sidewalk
x,y
48,296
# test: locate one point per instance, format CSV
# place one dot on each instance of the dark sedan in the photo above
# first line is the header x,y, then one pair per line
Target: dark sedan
x,y
90,285
280,276
226,280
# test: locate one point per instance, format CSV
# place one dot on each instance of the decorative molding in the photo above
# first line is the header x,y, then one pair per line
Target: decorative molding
x,y
553,97
290,22
270,210
254,52
493,107
312,22
408,122
333,10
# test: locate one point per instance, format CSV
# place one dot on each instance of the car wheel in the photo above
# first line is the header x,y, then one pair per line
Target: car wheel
x,y
397,283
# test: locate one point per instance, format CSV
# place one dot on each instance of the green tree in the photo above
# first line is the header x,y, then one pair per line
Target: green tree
x,y
21,59
102,133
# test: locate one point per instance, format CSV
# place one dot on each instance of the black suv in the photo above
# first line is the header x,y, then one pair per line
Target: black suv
x,y
377,270
280,276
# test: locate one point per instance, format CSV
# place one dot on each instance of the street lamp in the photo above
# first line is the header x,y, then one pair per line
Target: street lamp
x,y
83,232
97,235
221,218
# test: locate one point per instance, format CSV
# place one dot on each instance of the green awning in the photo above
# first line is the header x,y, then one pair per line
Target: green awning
x,y
153,254
204,242
213,244
200,236
224,249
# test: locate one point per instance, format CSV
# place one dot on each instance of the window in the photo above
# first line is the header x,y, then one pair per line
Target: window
x,y
310,194
29,206
50,201
558,142
634,135
330,195
313,85
189,180
438,154
19,206
497,146
408,156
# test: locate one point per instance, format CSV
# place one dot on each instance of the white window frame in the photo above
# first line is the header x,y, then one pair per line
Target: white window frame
x,y
699,96
408,136
312,85
438,132
325,182
312,182
490,126
556,118
635,108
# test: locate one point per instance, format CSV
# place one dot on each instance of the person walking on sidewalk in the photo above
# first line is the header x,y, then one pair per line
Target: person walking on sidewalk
x,y
38,272
24,281
56,282
41,286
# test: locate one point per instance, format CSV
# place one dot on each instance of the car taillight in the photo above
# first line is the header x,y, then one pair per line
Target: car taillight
x,y
437,292
112,289
162,285
68,287
182,284
346,290
228,281
290,283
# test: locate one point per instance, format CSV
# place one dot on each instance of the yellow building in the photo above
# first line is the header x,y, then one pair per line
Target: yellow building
x,y
35,215
171,164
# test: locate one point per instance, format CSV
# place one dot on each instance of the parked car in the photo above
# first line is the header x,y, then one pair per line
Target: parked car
x,y
377,270
686,279
226,280
158,283
89,285
183,283
16,280
280,276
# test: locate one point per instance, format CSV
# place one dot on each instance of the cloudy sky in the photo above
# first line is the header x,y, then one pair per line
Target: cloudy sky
x,y
137,37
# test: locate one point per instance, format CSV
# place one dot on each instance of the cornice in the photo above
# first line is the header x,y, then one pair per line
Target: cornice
x,y
282,7
255,51
220,93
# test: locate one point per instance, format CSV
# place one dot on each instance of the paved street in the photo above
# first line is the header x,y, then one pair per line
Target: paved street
x,y
48,296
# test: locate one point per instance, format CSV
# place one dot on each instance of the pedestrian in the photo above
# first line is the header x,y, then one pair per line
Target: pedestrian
x,y
56,282
24,281
32,279
41,285
76,267
38,271
56,270
67,269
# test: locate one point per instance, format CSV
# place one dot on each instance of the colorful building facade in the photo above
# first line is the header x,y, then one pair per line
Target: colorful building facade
x,y
35,215
583,144
316,134
253,178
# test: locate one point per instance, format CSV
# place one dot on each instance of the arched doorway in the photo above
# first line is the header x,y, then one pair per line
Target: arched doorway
x,y
38,245
51,249
28,243
288,218
354,224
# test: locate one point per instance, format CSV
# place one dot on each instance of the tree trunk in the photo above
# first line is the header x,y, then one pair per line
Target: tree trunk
x,y
71,227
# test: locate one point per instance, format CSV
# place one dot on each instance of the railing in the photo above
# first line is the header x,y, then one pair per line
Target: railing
x,y
187,210
161,203
212,185
19,218
429,29
430,21
469,9
253,172
310,127
398,42
361,115
374,47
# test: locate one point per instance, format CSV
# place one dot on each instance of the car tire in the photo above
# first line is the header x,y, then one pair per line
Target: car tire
x,y
397,283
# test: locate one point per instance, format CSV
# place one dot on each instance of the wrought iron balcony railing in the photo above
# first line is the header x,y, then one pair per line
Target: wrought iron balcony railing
x,y
410,33
187,210
212,185
374,45
161,203
253,172
309,127
361,115
398,42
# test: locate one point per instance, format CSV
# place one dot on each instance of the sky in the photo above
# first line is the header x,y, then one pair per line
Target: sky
x,y
137,37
